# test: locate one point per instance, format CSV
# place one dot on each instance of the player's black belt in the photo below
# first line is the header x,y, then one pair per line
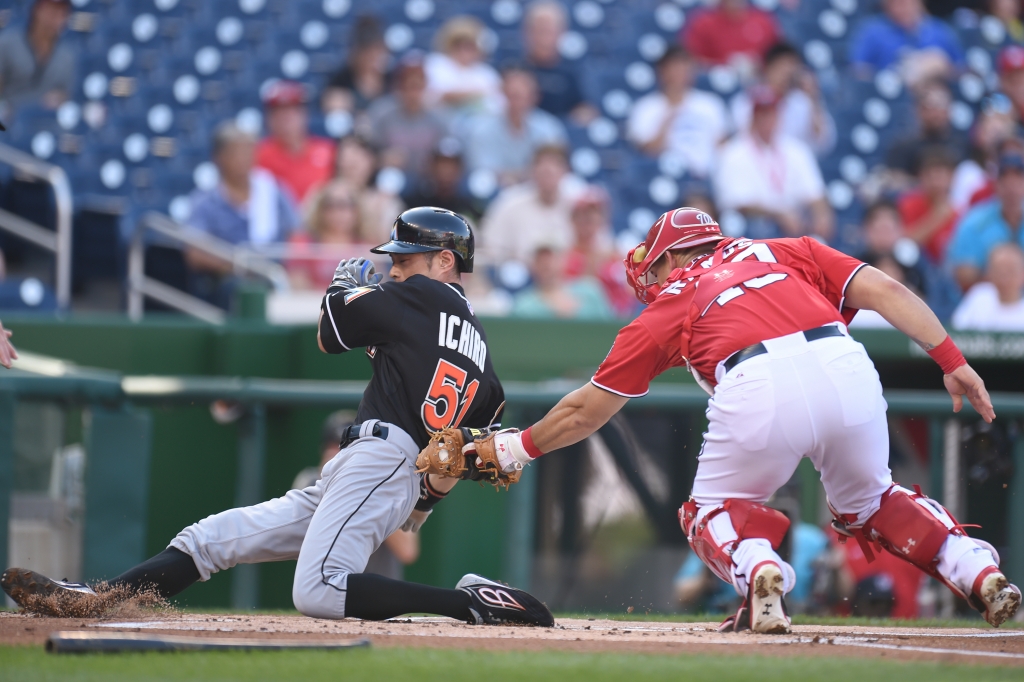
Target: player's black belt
x,y
759,349
351,434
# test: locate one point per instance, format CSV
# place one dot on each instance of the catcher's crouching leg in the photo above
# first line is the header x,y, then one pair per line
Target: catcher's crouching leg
x,y
737,541
920,531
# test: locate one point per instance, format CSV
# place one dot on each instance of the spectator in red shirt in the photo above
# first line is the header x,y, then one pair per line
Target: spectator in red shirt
x,y
926,210
593,254
299,161
732,33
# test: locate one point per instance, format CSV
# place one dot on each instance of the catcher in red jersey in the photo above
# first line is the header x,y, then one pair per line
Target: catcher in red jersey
x,y
762,326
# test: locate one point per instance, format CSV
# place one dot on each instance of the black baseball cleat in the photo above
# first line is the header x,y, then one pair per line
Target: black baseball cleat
x,y
497,604
36,593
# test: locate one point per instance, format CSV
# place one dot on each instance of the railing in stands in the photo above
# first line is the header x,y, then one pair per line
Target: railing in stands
x,y
264,261
243,260
59,242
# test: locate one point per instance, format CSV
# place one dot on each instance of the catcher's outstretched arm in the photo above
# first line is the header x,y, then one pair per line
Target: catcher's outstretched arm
x,y
575,417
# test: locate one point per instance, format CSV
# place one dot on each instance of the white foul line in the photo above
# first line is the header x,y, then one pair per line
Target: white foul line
x,y
919,633
927,650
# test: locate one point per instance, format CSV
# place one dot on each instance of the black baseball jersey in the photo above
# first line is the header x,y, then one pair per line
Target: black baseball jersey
x,y
431,366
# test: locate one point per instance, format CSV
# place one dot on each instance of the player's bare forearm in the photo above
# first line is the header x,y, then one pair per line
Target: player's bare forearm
x,y
442,484
575,417
872,289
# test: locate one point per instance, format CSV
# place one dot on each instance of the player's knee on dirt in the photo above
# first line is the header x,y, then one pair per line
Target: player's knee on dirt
x,y
320,599
736,530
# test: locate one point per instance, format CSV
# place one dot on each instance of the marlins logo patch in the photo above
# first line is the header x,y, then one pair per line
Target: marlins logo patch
x,y
353,294
499,598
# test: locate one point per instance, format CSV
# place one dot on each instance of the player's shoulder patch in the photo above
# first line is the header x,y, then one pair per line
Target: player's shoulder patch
x,y
353,294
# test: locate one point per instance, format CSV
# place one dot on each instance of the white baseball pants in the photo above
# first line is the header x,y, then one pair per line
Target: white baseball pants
x,y
332,527
819,399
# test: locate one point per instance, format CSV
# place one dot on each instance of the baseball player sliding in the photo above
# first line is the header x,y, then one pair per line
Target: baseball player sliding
x,y
431,370
762,326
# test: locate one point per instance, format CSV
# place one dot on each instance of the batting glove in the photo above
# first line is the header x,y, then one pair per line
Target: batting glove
x,y
415,521
508,448
354,273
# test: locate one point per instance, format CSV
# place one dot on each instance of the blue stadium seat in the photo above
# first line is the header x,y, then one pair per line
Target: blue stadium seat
x,y
248,40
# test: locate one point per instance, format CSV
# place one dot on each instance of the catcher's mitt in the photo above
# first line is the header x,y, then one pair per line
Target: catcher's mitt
x,y
464,453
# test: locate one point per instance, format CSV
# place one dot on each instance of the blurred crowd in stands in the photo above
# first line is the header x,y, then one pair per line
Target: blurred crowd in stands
x,y
944,212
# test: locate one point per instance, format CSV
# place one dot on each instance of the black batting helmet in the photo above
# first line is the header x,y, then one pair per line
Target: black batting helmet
x,y
427,228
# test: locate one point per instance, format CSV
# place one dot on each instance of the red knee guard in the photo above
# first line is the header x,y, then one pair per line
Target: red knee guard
x,y
904,528
749,520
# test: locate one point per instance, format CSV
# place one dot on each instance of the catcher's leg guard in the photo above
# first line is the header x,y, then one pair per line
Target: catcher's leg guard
x,y
735,537
920,531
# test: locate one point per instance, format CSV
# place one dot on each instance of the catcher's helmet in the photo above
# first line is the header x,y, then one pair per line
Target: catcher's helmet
x,y
680,228
431,229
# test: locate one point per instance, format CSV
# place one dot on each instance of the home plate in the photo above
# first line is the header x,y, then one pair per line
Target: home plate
x,y
118,642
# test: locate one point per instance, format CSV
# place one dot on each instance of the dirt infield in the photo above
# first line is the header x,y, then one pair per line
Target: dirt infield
x,y
991,647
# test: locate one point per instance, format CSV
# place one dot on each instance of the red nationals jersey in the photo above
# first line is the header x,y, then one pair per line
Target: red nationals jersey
x,y
743,293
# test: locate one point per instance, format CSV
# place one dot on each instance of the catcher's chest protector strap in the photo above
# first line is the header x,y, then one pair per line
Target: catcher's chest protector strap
x,y
749,520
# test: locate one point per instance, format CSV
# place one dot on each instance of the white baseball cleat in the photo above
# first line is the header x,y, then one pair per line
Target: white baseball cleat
x,y
999,597
767,608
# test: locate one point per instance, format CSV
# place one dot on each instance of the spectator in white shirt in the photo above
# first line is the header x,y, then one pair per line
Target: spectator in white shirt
x,y
772,179
802,113
677,119
504,143
996,305
457,77
526,216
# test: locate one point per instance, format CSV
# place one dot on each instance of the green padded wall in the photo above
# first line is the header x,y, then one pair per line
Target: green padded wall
x,y
192,468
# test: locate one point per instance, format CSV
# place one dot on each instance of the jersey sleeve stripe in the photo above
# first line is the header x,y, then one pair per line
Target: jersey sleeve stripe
x,y
331,315
848,280
624,395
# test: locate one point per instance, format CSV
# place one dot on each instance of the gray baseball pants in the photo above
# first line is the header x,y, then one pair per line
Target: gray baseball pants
x,y
332,527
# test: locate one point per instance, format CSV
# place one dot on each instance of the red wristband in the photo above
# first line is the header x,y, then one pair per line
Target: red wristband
x,y
948,356
531,449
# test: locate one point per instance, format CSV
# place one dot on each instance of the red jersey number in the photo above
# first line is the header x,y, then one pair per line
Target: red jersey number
x,y
449,397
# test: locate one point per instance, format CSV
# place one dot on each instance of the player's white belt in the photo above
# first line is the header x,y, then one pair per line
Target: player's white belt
x,y
759,348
